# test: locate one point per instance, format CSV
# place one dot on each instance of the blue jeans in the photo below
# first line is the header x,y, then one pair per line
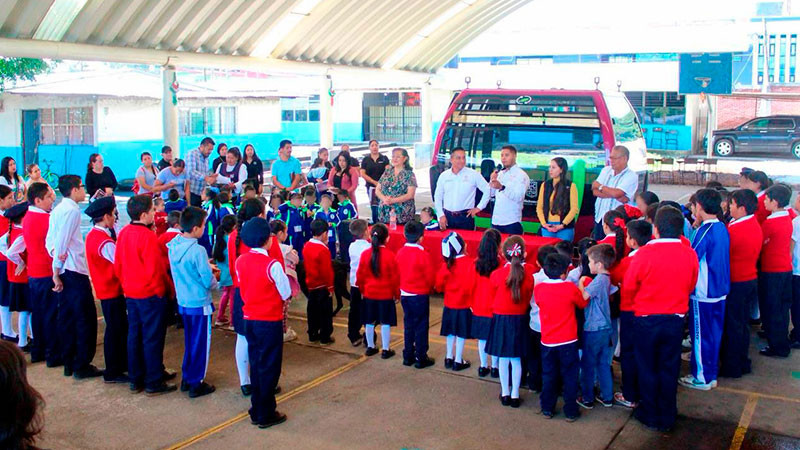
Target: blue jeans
x,y
512,228
595,361
566,234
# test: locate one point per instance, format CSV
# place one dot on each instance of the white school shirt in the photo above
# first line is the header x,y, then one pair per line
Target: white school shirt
x,y
13,251
508,202
536,323
109,247
358,247
627,180
796,239
456,191
64,237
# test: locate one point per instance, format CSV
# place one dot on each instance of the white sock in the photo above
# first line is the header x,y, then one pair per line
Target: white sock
x,y
495,362
460,349
5,321
516,376
504,376
386,336
450,340
369,330
24,325
482,352
242,360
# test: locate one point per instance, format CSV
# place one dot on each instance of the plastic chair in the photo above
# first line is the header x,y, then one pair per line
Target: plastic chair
x,y
669,164
671,138
658,133
693,161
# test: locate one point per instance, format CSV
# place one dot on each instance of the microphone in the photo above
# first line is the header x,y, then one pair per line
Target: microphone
x,y
499,167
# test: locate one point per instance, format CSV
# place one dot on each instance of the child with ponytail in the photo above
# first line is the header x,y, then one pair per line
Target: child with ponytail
x,y
379,282
614,228
488,261
219,256
513,287
456,279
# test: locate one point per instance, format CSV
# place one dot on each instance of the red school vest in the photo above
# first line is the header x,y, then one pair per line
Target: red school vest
x,y
105,281
11,267
34,230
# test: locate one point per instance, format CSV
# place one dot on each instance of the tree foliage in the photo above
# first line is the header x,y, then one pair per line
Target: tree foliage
x,y
13,69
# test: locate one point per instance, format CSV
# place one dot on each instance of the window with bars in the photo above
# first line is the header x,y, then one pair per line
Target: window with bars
x,y
659,107
300,109
67,126
208,121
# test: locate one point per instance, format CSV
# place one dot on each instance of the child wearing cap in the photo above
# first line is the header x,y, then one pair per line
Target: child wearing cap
x,y
319,279
7,200
12,245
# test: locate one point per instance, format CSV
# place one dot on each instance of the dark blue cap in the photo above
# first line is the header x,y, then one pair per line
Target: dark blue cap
x,y
255,232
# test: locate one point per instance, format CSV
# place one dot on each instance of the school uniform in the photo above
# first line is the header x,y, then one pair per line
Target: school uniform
x,y
509,319
416,282
237,316
746,239
557,300
346,211
175,205
611,239
458,284
225,209
775,281
319,279
44,302
534,357
707,313
354,318
18,295
4,299
795,334
481,307
160,222
379,291
100,250
627,338
333,220
139,265
433,225
212,222
761,211
663,275
264,288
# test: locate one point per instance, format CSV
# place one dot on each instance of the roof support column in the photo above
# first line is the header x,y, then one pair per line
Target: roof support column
x,y
326,112
169,108
425,106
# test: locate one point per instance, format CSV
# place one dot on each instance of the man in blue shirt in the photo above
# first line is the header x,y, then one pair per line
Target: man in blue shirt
x,y
286,173
175,176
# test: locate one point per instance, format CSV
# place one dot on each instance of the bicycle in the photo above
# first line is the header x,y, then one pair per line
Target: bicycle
x,y
49,176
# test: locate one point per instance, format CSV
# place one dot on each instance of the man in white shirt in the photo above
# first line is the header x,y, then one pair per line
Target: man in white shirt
x,y
77,316
508,188
454,198
616,185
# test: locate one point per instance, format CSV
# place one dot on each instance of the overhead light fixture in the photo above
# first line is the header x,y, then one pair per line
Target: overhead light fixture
x,y
281,29
58,19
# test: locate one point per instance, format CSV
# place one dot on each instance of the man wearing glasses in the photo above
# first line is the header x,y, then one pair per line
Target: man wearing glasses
x,y
616,185
77,316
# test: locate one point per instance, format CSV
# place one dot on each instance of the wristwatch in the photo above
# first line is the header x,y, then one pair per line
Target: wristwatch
x,y
600,188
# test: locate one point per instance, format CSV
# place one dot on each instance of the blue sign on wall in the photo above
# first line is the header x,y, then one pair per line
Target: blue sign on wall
x,y
705,72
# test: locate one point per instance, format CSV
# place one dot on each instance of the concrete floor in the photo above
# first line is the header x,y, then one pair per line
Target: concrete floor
x,y
337,398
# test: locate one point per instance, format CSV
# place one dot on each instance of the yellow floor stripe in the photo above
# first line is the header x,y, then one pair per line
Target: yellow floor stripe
x,y
744,422
758,394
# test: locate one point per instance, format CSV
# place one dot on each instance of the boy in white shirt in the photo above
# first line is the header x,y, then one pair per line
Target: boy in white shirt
x,y
358,228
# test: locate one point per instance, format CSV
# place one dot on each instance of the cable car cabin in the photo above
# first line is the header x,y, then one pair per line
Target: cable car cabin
x,y
580,126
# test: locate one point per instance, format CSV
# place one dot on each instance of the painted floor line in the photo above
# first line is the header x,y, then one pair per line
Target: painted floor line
x,y
759,394
744,422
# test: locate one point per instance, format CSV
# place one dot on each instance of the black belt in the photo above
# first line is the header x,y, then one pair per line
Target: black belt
x,y
463,212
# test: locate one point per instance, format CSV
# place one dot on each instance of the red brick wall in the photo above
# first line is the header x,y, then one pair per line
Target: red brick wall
x,y
733,110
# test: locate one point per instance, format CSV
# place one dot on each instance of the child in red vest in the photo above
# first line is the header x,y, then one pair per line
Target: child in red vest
x,y
13,245
456,279
379,282
487,262
416,282
264,288
100,249
319,279
7,200
160,220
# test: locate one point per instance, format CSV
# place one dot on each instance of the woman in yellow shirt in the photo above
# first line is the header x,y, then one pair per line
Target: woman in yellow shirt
x,y
558,199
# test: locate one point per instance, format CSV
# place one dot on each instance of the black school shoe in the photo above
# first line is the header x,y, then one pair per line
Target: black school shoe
x,y
459,366
386,354
201,389
247,390
495,372
163,389
371,351
768,351
328,341
515,402
185,386
67,371
483,371
276,419
423,363
505,400
116,379
408,362
8,338
169,375
448,363
89,372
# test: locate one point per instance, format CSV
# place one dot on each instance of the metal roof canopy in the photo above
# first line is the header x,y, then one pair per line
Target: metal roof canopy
x,y
309,36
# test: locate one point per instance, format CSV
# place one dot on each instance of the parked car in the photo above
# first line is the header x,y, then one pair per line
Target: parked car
x,y
772,134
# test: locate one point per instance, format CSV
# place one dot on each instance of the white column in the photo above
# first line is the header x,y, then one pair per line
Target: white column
x,y
169,108
325,113
426,117
754,60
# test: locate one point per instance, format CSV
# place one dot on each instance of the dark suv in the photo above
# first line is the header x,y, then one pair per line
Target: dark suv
x,y
773,134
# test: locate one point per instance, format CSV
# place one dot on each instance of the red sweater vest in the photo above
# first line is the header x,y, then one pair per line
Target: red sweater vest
x,y
618,279
35,226
318,265
775,254
502,300
746,240
416,276
457,283
557,302
3,230
139,264
105,281
11,267
274,251
383,287
261,298
662,274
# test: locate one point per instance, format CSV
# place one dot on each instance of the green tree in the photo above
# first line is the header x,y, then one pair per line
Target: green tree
x,y
13,69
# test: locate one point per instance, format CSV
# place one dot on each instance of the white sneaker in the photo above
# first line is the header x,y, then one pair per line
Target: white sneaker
x,y
289,335
691,382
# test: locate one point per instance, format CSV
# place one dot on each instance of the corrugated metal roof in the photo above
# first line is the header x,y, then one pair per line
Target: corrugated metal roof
x,y
415,35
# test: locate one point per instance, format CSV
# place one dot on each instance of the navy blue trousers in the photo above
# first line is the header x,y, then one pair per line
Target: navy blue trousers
x,y
658,360
534,360
458,221
733,360
627,357
196,344
146,332
512,228
115,338
416,320
319,311
560,361
795,335
354,316
265,350
77,321
775,301
44,321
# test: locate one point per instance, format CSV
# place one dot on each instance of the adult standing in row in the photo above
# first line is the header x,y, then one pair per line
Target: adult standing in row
x,y
197,171
454,198
9,176
233,172
166,158
146,176
557,207
372,168
286,171
99,177
509,186
344,176
173,176
255,168
222,150
616,185
396,189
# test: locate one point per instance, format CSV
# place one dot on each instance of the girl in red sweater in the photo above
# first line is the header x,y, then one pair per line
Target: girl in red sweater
x,y
614,228
7,200
513,287
13,246
379,281
456,279
488,261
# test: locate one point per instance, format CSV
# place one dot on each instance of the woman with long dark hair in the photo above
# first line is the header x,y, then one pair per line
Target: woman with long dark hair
x,y
9,176
255,168
21,420
344,176
487,262
558,206
99,177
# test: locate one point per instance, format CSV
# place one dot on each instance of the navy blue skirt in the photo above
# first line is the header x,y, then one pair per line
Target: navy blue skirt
x,y
379,312
18,297
480,327
3,284
238,315
507,336
456,322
